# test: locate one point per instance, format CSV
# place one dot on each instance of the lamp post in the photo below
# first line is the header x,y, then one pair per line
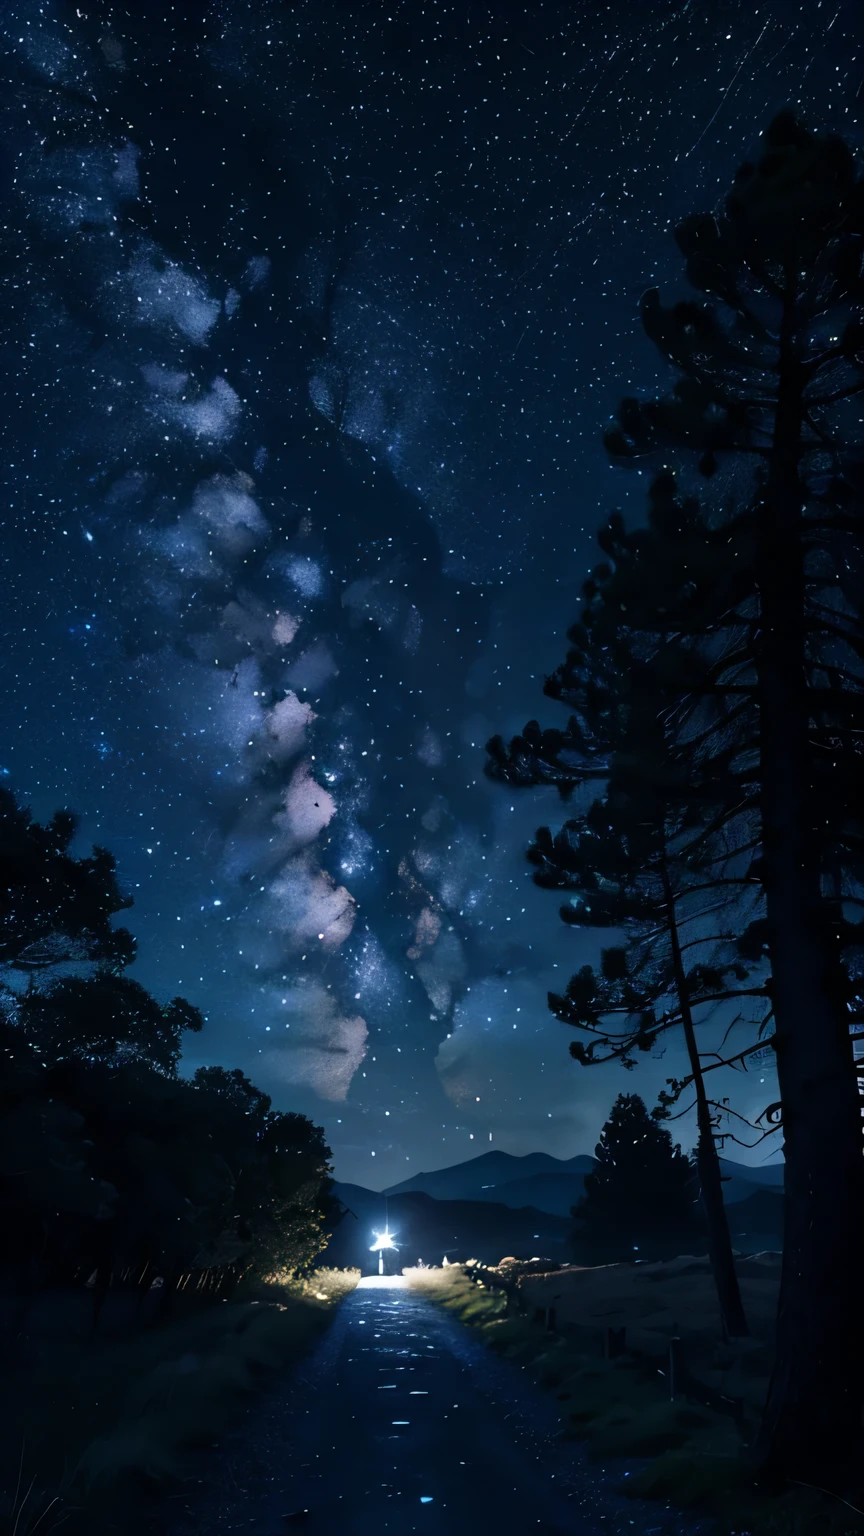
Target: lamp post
x,y
382,1240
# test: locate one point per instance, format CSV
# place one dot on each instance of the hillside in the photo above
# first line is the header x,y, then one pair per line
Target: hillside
x,y
426,1228
488,1176
497,1204
756,1222
553,1184
742,1181
555,1193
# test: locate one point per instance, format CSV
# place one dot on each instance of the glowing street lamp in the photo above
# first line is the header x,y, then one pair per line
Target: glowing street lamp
x,y
382,1240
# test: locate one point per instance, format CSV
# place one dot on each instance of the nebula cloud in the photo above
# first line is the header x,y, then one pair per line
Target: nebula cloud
x,y
316,1046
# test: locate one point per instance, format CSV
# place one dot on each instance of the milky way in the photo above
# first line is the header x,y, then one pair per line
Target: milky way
x,y
313,316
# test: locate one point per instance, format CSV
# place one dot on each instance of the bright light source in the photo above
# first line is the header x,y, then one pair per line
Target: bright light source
x,y
382,1240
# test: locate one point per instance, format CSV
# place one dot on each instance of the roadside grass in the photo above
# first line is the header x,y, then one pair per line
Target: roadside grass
x,y
323,1284
620,1409
100,1429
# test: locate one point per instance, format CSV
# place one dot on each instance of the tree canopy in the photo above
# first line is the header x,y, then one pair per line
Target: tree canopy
x,y
745,603
642,1193
111,1162
56,907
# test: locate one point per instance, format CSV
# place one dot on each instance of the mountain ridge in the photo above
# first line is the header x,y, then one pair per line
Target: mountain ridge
x,y
551,1184
428,1228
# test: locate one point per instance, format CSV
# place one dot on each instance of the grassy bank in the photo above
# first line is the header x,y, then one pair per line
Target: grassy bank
x,y
97,1429
691,1454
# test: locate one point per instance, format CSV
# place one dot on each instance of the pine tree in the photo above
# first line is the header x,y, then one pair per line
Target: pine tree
x,y
641,1192
767,396
674,964
749,601
639,859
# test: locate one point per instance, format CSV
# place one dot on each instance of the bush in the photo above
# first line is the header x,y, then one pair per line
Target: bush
x,y
124,1414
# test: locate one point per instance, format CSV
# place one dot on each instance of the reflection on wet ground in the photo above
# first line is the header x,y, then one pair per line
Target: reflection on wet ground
x,y
402,1422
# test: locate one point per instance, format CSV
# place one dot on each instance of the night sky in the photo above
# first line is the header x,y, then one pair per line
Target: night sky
x,y
313,316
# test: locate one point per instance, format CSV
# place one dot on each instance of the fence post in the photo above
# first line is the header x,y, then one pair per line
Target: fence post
x,y
674,1361
614,1343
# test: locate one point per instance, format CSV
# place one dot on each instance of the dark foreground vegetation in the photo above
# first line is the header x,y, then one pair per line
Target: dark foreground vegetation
x,y
100,1428
156,1228
634,1358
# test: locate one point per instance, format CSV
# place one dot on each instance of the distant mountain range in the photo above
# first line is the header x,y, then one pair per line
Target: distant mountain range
x,y
497,1204
552,1184
426,1228
484,1177
756,1222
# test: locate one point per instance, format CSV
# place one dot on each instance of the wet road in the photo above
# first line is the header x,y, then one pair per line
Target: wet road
x,y
401,1422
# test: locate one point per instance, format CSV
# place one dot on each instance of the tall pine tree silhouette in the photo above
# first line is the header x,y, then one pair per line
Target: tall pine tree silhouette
x,y
640,859
751,602
666,855
771,382
641,1193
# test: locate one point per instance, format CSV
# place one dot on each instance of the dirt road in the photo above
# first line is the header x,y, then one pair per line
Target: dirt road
x,y
401,1422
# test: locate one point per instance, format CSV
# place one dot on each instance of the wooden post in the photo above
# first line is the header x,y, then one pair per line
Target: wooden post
x,y
614,1343
674,1361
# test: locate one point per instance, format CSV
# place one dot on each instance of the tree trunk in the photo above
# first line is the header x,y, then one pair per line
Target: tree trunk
x,y
732,1314
812,1421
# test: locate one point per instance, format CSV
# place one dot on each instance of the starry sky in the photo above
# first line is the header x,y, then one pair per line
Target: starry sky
x,y
313,316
